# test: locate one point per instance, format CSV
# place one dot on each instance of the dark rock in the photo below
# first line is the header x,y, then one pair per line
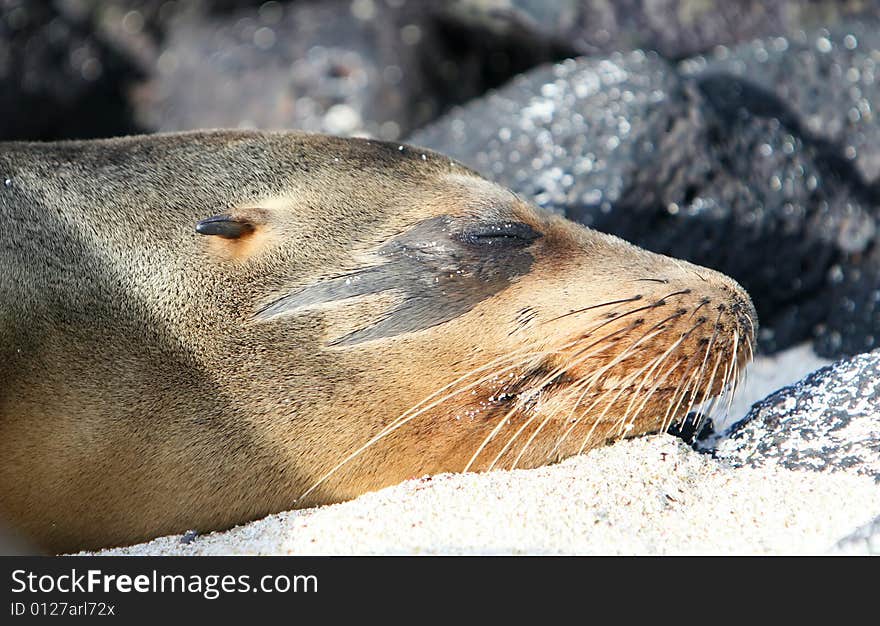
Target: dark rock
x,y
829,82
829,421
58,79
673,28
829,85
709,167
76,68
572,135
693,430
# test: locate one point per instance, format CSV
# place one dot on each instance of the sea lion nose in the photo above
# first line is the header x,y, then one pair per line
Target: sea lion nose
x,y
739,307
720,289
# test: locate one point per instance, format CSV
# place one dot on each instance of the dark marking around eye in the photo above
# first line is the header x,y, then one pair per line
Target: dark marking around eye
x,y
439,274
503,233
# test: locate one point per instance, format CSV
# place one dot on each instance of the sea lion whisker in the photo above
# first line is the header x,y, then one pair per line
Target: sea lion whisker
x,y
615,319
585,384
672,409
511,440
524,353
545,353
619,358
699,377
653,305
638,373
636,343
526,356
516,435
683,384
592,307
577,358
751,327
680,292
404,419
489,437
678,344
657,361
590,408
572,362
668,350
582,355
734,370
681,389
623,387
583,389
725,385
714,404
552,413
540,386
620,390
707,390
703,303
655,387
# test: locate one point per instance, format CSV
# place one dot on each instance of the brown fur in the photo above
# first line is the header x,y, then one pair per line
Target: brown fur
x,y
143,395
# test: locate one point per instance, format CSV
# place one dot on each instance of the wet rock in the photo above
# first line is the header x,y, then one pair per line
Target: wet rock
x,y
575,134
673,28
829,421
828,86
706,166
828,80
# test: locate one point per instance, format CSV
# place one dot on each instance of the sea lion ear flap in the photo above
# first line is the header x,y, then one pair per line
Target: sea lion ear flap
x,y
238,235
226,226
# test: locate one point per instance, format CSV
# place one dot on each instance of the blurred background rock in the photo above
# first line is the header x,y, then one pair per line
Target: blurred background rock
x,y
377,67
737,134
89,68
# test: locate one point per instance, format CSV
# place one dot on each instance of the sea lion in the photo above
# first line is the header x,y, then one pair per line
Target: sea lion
x,y
200,329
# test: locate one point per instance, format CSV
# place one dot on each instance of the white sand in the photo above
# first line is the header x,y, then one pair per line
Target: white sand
x,y
651,495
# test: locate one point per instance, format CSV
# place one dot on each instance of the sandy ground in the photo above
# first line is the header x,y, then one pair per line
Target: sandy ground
x,y
651,495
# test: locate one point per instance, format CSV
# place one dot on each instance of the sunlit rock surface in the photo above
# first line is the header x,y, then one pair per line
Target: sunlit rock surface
x,y
829,421
703,165
673,28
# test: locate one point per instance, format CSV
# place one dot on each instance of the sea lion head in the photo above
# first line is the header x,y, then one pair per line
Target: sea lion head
x,y
447,324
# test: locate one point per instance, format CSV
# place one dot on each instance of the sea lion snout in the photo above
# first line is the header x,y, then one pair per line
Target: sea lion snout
x,y
676,308
624,341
